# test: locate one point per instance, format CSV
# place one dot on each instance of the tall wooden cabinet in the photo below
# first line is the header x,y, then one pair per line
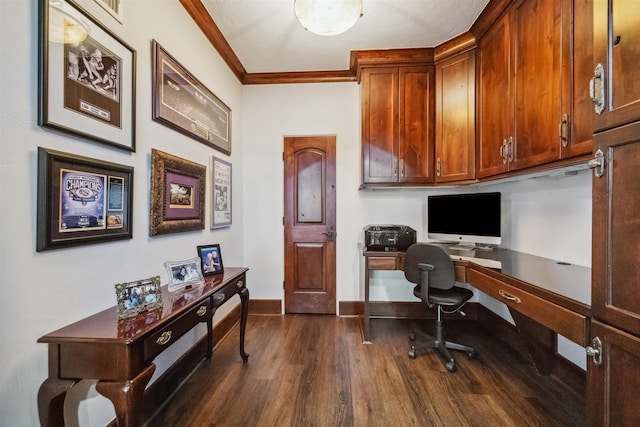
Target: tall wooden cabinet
x,y
529,114
455,139
397,124
613,370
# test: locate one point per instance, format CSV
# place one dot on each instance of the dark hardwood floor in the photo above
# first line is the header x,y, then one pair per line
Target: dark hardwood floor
x,y
311,370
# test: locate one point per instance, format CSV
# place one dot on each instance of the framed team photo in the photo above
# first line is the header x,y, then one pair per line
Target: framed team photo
x,y
81,200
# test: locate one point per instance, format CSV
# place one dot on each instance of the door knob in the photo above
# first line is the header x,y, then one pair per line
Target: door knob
x,y
331,236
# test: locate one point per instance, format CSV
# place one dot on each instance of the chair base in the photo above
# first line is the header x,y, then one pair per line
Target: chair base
x,y
441,345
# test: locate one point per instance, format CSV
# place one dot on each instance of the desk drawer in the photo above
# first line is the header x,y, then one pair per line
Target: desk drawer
x,y
229,290
170,333
384,263
559,319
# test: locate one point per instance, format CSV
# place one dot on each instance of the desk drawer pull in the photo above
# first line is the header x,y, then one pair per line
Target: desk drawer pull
x,y
202,311
164,338
221,297
509,297
240,283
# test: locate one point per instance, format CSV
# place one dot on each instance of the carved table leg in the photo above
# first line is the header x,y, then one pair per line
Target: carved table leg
x,y
126,396
51,397
244,300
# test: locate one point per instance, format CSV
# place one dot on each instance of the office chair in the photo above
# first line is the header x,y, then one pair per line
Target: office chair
x,y
431,268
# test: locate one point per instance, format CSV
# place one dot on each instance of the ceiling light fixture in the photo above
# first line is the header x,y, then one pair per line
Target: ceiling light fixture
x,y
328,17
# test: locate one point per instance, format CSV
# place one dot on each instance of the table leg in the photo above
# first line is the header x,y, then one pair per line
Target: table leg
x,y
51,397
367,337
244,302
127,396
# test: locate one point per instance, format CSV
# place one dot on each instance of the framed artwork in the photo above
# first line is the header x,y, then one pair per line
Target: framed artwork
x,y
114,7
181,102
87,77
221,200
184,273
81,200
138,296
177,194
210,259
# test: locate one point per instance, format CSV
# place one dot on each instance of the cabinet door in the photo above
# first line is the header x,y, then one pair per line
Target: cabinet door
x,y
617,49
416,125
537,42
380,125
616,230
577,68
612,385
455,118
495,114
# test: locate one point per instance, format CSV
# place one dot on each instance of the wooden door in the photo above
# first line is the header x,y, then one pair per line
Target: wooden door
x,y
617,49
310,224
577,69
495,114
613,384
380,133
455,118
416,138
536,36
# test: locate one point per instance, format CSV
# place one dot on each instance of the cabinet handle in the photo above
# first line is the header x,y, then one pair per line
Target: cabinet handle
x,y
596,88
202,311
564,130
597,163
401,167
164,338
510,149
595,351
438,166
502,151
240,284
395,167
221,297
509,297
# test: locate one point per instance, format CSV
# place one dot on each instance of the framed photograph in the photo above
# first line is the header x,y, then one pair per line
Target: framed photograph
x,y
181,102
184,273
114,7
177,194
210,259
138,296
87,76
81,200
221,200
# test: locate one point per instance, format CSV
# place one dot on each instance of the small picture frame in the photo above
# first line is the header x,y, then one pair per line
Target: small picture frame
x,y
210,259
183,274
138,296
221,197
177,194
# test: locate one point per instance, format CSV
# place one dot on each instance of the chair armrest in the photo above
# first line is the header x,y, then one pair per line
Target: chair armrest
x,y
425,267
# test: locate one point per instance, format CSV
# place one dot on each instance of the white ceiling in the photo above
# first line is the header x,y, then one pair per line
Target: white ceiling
x,y
266,37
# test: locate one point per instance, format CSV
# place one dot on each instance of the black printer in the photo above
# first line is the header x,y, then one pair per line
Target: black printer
x,y
390,238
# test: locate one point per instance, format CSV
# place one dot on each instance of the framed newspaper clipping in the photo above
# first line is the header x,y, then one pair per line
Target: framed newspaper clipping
x,y
81,200
221,174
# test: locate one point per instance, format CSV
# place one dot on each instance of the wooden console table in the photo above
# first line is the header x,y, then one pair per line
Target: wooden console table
x,y
544,296
120,353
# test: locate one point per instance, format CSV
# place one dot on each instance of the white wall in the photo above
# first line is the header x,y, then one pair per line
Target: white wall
x,y
45,291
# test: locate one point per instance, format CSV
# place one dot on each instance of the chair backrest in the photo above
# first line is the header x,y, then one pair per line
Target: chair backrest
x,y
441,277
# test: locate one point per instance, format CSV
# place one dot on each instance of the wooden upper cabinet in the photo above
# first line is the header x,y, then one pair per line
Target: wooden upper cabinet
x,y
397,124
617,50
455,118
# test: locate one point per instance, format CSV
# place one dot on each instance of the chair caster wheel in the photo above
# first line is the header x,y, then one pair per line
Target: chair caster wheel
x,y
451,366
412,353
473,354
412,336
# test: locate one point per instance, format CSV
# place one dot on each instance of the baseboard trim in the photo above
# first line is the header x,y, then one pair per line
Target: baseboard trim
x,y
403,310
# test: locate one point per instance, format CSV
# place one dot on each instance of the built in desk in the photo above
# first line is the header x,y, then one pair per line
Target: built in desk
x,y
545,297
120,353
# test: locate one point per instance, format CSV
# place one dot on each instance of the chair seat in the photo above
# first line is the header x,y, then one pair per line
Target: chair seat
x,y
446,297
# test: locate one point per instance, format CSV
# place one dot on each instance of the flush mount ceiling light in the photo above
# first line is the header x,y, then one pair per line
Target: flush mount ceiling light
x,y
328,17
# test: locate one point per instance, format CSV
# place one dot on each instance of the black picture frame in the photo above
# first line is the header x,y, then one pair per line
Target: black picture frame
x,y
210,259
81,200
87,76
184,104
172,176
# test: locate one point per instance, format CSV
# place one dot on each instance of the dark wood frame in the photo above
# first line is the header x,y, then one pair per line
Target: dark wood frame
x,y
203,251
163,219
221,175
50,229
123,294
77,106
213,111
